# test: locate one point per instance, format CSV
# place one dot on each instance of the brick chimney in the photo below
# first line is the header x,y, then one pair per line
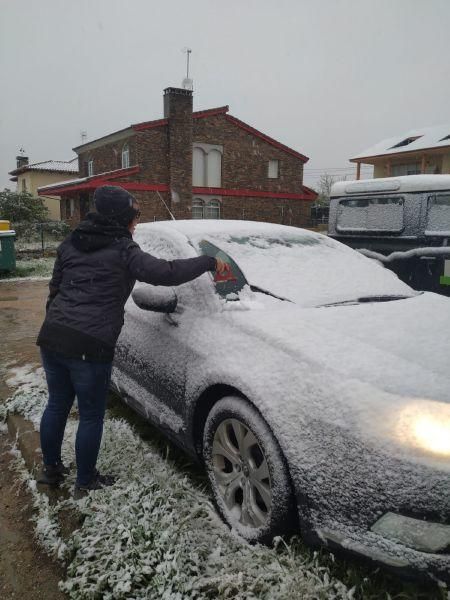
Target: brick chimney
x,y
178,110
21,161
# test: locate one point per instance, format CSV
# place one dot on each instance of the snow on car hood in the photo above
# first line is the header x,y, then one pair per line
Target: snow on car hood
x,y
378,370
401,346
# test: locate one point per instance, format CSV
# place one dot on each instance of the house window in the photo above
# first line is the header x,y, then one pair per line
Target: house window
x,y
199,167
438,214
214,169
205,209
406,142
90,167
24,185
125,157
71,207
197,208
207,165
212,210
273,168
407,169
376,214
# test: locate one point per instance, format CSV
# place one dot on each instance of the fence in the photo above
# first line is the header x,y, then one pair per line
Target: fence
x,y
319,215
39,237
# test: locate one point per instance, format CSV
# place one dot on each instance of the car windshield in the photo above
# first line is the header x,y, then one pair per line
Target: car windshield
x,y
306,268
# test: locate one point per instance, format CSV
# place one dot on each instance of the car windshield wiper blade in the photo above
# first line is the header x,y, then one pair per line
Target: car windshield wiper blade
x,y
255,288
383,298
368,299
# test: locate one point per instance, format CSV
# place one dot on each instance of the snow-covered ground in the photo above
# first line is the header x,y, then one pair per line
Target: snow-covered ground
x,y
155,535
36,269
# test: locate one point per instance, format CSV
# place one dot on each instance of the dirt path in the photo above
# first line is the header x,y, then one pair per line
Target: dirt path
x,y
25,571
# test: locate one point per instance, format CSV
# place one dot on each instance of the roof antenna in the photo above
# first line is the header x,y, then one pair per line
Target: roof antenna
x,y
188,84
83,136
167,208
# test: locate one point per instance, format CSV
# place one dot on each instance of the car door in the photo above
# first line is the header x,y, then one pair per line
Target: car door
x,y
151,355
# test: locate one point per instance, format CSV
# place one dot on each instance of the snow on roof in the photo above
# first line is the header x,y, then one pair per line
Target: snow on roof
x,y
415,139
63,183
407,183
59,166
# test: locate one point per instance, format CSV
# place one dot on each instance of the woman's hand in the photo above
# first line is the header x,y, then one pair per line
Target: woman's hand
x,y
222,267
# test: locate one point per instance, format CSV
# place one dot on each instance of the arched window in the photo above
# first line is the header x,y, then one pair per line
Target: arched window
x,y
198,167
207,165
212,210
214,169
125,156
197,208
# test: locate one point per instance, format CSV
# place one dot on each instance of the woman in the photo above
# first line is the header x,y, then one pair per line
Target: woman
x,y
96,268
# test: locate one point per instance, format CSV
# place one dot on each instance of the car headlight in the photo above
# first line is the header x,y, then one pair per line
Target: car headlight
x,y
426,425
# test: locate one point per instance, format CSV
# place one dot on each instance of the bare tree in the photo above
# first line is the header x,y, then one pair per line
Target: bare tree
x,y
324,187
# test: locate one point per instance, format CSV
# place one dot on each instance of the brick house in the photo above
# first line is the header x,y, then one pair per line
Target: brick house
x,y
205,164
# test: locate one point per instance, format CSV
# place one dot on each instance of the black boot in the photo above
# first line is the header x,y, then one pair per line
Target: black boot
x,y
97,483
53,474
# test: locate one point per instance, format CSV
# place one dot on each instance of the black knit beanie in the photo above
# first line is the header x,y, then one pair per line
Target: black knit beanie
x,y
114,203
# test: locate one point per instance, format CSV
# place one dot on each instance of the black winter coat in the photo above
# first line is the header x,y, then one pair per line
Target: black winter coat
x,y
96,268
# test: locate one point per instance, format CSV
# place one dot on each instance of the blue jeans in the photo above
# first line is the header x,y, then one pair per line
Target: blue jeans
x,y
89,382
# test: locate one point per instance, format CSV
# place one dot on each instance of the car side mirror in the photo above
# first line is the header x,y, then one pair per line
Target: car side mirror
x,y
155,298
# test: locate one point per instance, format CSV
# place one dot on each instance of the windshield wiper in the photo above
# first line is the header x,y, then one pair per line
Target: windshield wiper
x,y
255,288
368,299
383,298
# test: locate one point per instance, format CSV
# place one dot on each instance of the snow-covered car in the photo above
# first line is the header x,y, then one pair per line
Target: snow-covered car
x,y
314,385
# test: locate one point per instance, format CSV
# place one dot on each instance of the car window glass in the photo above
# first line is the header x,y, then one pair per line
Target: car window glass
x,y
438,214
370,214
229,288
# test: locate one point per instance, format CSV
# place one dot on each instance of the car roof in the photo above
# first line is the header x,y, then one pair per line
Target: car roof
x,y
406,183
195,228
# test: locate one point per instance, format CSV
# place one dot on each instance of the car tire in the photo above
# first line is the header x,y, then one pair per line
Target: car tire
x,y
247,471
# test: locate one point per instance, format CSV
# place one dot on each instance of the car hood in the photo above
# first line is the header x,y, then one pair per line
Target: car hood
x,y
401,346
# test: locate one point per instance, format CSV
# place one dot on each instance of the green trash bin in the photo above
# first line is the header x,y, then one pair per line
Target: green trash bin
x,y
7,250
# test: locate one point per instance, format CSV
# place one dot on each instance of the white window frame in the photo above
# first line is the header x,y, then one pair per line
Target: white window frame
x,y
198,205
273,169
405,169
125,156
90,167
198,167
210,206
71,207
205,175
207,207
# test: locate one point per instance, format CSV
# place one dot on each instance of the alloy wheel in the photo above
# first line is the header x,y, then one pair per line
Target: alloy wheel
x,y
242,473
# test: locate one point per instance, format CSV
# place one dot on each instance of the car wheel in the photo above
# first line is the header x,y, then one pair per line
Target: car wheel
x,y
247,471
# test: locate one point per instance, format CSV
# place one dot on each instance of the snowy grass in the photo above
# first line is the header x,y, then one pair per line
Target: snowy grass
x,y
155,534
30,268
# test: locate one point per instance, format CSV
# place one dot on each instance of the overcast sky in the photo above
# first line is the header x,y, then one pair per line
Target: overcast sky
x,y
326,77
